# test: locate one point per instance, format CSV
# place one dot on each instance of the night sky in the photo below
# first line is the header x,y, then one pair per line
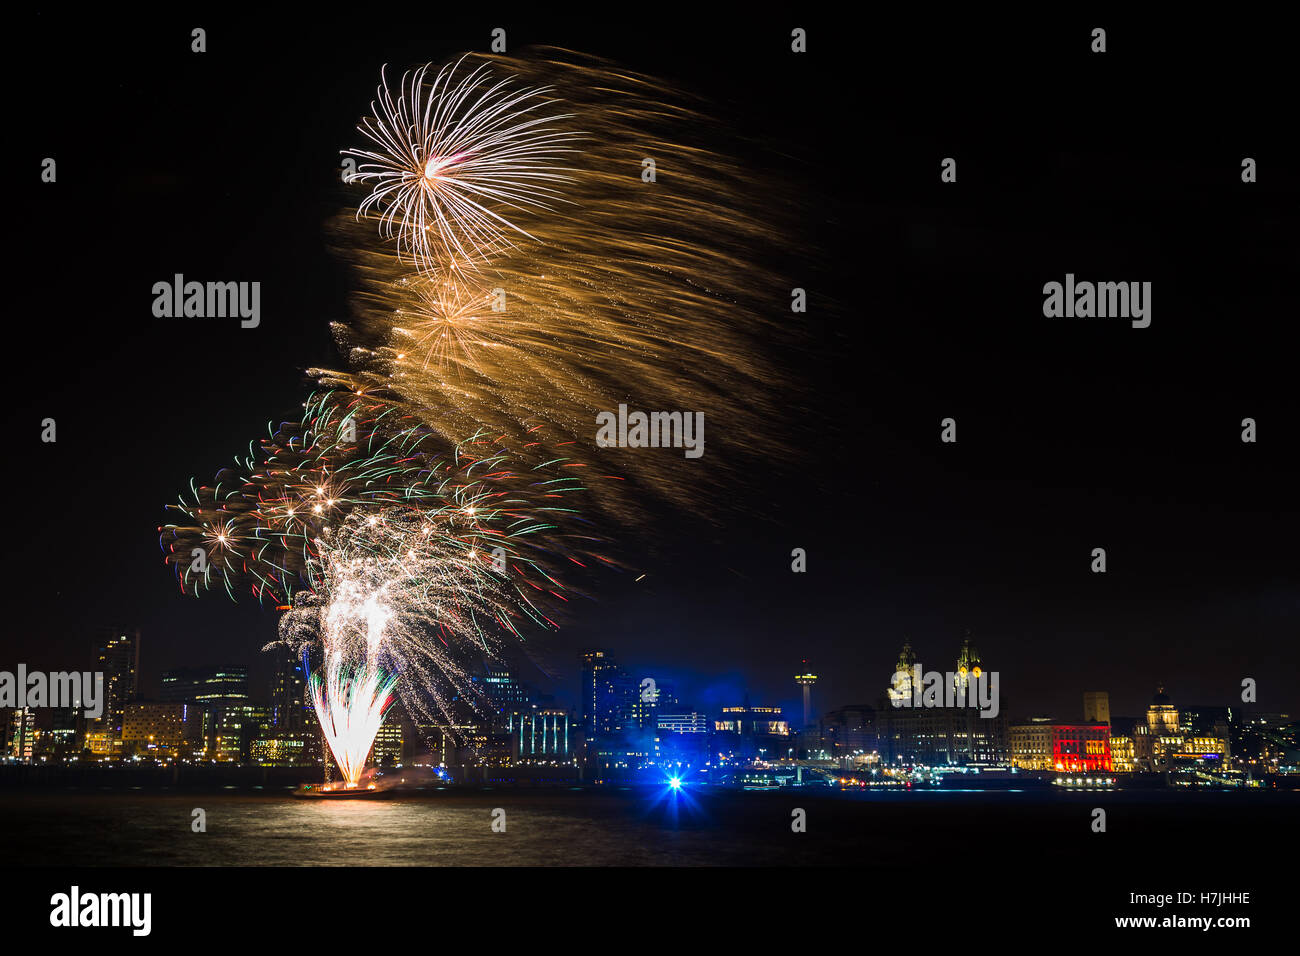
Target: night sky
x,y
926,302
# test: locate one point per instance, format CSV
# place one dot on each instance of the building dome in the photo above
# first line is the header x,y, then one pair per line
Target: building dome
x,y
1161,699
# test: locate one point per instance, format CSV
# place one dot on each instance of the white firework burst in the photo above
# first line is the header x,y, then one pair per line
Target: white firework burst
x,y
405,599
451,158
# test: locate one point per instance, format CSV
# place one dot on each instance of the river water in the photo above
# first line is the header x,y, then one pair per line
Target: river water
x,y
613,827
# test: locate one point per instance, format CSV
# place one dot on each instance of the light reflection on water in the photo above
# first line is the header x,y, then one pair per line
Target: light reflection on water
x,y
154,829
561,828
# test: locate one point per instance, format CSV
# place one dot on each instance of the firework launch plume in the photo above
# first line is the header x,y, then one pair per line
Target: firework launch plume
x,y
350,706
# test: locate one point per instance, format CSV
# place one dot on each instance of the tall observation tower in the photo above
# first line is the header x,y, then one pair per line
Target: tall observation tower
x,y
806,681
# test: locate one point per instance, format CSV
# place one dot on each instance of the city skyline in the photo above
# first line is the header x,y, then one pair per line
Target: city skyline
x,y
230,682
714,691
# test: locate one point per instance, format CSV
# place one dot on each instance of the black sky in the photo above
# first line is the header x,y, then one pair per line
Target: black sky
x,y
926,303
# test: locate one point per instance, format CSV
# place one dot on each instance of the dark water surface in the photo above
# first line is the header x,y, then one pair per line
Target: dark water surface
x,y
888,831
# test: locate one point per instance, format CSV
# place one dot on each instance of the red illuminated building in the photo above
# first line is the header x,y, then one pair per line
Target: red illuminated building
x,y
1075,747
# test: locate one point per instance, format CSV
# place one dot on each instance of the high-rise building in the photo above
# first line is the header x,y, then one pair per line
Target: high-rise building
x,y
67,731
598,668
206,686
117,656
1096,707
290,711
806,679
20,738
946,731
612,699
225,721
648,699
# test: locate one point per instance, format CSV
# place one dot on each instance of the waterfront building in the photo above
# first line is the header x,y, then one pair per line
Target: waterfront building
x,y
748,733
279,751
390,742
1162,715
152,728
542,736
1053,745
230,730
20,735
1128,743
941,736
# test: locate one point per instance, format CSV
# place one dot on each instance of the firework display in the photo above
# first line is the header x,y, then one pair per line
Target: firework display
x,y
640,289
420,511
396,552
415,591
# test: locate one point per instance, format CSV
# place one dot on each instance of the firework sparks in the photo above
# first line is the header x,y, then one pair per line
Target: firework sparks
x,y
351,706
639,292
258,527
451,156
412,592
405,560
